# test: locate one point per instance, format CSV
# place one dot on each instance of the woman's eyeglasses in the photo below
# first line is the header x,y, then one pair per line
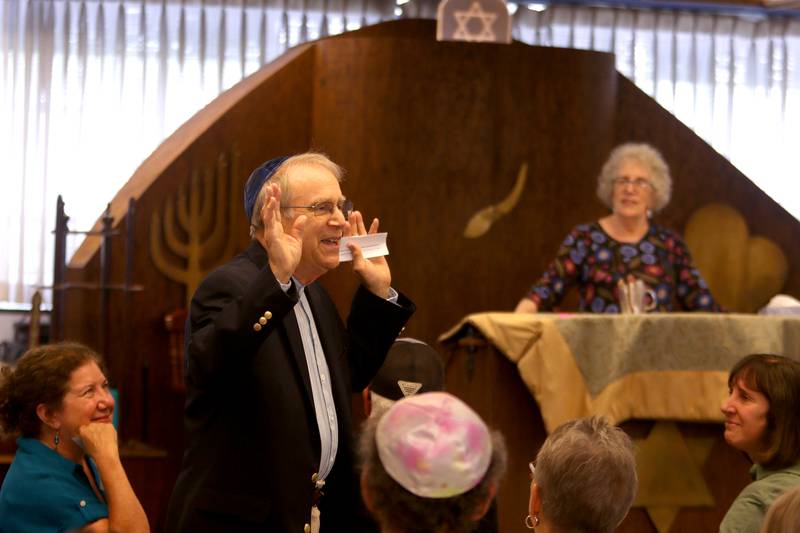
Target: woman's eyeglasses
x,y
639,183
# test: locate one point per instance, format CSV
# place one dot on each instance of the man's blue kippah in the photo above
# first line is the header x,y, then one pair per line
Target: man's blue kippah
x,y
256,180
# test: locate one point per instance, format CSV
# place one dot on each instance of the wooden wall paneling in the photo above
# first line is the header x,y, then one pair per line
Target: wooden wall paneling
x,y
432,132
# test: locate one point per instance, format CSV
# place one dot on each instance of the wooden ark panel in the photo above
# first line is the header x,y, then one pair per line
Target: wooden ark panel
x,y
433,132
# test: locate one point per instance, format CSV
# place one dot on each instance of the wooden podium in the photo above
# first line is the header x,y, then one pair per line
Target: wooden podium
x,y
527,374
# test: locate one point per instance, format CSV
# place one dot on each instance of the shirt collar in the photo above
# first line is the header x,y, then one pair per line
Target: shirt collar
x,y
44,454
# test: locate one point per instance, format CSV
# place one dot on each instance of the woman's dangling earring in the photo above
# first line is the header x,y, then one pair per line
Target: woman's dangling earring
x,y
649,214
56,439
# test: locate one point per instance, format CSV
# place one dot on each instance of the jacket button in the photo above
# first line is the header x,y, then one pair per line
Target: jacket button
x,y
314,477
268,315
262,321
306,528
257,326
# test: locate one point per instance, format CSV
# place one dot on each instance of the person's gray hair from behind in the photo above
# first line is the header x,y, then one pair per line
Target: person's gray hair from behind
x,y
645,155
783,515
281,177
454,479
586,476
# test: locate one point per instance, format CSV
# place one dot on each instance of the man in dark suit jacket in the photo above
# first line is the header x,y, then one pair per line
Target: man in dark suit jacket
x,y
271,366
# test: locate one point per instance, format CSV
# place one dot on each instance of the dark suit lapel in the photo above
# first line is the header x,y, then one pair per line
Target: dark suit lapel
x,y
323,323
258,256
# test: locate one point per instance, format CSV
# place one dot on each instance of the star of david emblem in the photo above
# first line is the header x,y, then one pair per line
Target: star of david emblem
x,y
475,12
670,474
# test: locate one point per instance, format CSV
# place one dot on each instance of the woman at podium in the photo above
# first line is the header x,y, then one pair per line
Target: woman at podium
x,y
624,262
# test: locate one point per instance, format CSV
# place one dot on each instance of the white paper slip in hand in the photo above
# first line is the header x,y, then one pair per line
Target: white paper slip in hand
x,y
372,245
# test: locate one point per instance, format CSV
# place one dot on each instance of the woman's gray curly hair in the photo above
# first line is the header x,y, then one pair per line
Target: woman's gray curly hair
x,y
645,155
586,474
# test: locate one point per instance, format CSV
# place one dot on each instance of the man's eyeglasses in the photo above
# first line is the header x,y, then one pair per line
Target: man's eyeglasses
x,y
325,208
639,183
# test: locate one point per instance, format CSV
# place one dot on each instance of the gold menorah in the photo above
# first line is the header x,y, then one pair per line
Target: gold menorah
x,y
205,221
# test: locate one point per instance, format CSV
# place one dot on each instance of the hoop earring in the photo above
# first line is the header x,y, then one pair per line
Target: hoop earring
x,y
532,522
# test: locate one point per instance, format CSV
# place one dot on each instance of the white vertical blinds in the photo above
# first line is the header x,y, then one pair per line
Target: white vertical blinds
x,y
735,80
88,88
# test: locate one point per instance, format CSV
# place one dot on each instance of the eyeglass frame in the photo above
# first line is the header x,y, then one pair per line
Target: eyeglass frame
x,y
321,208
639,183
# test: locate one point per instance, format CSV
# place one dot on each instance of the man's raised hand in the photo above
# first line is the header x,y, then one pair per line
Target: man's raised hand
x,y
284,248
373,273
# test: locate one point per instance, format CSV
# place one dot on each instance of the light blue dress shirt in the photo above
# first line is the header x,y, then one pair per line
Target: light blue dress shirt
x,y
319,375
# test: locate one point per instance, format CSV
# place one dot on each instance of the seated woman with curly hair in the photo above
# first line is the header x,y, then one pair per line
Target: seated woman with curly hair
x,y
66,474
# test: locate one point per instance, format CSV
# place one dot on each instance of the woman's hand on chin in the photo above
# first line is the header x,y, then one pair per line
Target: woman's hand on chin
x,y
100,440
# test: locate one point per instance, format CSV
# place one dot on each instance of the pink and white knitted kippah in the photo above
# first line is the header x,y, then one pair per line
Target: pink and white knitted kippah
x,y
434,445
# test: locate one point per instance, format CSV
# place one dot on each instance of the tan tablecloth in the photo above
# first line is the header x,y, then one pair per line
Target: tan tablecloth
x,y
670,366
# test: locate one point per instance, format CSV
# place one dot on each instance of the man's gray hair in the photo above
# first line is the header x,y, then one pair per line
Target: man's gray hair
x,y
648,157
586,474
281,177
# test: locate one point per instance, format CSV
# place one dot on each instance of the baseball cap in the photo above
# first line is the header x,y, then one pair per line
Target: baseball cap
x,y
411,367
